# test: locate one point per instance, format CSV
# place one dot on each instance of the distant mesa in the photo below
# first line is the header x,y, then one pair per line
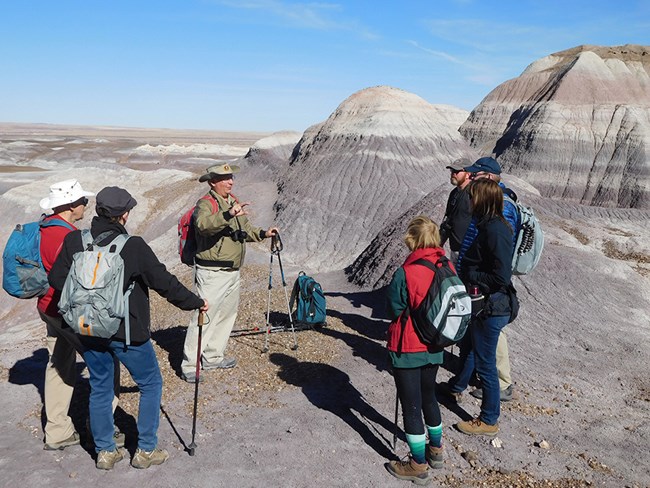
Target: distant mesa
x,y
380,152
272,152
575,124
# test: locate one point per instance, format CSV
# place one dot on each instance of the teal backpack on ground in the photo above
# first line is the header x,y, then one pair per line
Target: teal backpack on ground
x,y
308,296
92,301
23,274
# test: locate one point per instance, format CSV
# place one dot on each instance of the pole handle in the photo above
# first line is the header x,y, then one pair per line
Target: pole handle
x,y
276,244
201,320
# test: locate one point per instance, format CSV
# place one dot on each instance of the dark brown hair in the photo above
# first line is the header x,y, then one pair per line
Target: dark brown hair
x,y
487,199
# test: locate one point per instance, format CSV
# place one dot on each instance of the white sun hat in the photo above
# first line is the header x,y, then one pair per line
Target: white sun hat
x,y
64,192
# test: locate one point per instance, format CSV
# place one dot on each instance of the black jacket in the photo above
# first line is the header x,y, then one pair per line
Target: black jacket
x,y
140,266
458,215
488,261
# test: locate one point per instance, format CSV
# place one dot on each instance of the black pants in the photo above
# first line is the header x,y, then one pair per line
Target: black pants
x,y
416,389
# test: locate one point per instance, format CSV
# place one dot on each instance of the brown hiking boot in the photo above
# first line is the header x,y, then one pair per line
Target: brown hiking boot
x,y
434,456
477,427
409,470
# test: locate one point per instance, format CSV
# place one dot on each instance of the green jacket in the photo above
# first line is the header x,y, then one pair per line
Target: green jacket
x,y
216,246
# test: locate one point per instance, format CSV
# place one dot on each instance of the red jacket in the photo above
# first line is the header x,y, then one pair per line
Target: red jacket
x,y
51,244
411,282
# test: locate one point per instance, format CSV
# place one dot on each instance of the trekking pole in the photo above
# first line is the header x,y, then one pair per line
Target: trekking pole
x,y
200,322
278,249
268,302
396,428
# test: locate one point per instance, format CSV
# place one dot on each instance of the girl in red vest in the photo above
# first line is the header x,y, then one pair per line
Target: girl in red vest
x,y
415,365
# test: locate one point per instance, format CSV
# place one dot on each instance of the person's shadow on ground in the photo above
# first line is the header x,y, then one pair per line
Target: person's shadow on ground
x,y
31,371
329,388
172,341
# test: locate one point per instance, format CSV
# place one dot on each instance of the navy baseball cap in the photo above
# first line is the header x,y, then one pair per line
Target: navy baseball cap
x,y
487,165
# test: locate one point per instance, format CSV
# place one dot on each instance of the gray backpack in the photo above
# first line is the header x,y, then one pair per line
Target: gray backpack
x,y
530,241
92,302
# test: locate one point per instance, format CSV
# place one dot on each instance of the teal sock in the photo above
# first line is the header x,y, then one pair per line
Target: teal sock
x,y
417,444
435,435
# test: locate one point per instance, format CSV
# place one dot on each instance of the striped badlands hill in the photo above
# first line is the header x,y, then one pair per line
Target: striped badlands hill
x,y
381,151
575,124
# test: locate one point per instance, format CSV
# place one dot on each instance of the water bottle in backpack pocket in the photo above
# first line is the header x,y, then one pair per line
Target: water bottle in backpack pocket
x,y
310,302
93,302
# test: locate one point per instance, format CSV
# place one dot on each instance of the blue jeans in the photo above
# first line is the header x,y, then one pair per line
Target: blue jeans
x,y
142,364
482,355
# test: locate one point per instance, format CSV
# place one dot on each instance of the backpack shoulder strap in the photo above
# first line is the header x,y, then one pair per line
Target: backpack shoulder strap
x,y
442,261
55,223
119,242
213,202
295,291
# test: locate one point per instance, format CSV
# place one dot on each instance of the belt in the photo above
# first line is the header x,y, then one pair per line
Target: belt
x,y
215,264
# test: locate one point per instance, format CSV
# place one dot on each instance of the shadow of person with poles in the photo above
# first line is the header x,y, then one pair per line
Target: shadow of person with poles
x,y
329,388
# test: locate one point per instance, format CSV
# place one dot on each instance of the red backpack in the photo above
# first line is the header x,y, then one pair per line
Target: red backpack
x,y
186,233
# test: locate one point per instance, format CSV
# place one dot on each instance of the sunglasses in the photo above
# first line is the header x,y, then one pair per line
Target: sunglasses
x,y
82,201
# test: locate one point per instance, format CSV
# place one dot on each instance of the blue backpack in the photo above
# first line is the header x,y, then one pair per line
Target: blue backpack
x,y
310,301
23,274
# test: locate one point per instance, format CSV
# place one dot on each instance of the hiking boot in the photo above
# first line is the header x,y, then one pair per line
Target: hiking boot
x,y
445,389
107,459
477,427
505,395
225,363
409,470
434,456
190,377
144,459
73,440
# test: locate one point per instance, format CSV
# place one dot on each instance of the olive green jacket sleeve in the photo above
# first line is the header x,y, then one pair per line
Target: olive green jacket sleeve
x,y
214,231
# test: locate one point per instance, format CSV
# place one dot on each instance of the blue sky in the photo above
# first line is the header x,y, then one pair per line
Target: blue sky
x,y
268,65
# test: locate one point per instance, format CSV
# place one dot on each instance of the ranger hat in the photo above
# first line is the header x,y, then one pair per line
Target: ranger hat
x,y
63,193
487,165
113,201
219,170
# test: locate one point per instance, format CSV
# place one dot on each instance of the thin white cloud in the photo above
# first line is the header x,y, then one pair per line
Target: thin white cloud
x,y
439,54
317,16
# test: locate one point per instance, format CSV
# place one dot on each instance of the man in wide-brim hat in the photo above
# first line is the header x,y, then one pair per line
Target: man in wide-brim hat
x,y
68,200
222,229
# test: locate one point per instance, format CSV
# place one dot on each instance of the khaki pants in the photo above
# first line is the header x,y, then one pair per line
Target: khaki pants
x,y
503,361
221,289
60,378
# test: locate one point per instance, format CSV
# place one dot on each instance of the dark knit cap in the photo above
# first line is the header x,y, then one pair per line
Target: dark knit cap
x,y
113,201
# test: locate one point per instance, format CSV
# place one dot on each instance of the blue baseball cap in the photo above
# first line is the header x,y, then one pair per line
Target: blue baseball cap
x,y
487,165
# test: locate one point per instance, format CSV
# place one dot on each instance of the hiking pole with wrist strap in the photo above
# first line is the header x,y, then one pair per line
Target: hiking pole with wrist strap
x,y
276,249
268,301
200,322
284,285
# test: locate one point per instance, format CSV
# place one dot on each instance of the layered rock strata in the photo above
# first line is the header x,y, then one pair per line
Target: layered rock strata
x,y
575,124
381,151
